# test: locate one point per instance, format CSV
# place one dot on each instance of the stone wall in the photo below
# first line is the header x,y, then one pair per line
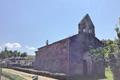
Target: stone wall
x,y
69,55
79,47
76,54
54,57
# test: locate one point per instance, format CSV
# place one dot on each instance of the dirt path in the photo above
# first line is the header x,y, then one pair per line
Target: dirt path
x,y
26,76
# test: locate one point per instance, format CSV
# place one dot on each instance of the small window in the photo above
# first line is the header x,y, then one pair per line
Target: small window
x,y
84,30
90,31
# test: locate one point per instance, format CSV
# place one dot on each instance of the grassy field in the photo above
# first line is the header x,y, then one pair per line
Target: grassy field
x,y
108,73
4,78
9,74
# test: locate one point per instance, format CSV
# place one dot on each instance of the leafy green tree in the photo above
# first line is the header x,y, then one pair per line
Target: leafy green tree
x,y
24,54
114,59
9,53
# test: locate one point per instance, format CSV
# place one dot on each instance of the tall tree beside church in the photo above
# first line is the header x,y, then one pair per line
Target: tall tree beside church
x,y
114,60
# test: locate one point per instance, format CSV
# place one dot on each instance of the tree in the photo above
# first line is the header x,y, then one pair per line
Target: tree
x,y
114,59
9,53
117,29
23,54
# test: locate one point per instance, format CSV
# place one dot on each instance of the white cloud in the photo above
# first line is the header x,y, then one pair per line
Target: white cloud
x,y
30,48
13,45
0,48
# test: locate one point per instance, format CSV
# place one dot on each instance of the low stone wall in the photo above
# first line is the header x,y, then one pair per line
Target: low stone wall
x,y
58,76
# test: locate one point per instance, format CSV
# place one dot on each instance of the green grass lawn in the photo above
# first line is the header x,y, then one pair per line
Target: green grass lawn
x,y
19,75
4,78
11,76
108,74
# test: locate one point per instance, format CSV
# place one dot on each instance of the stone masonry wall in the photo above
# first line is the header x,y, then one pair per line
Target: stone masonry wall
x,y
76,54
54,57
79,48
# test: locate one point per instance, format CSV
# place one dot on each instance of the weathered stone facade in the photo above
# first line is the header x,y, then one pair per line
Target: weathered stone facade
x,y
71,55
53,58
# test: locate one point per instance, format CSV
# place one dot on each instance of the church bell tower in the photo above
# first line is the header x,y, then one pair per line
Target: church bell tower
x,y
86,26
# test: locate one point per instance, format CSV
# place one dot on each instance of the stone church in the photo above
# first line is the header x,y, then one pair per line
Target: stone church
x,y
71,55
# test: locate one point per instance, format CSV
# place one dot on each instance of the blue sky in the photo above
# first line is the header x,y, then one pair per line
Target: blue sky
x,y
25,25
